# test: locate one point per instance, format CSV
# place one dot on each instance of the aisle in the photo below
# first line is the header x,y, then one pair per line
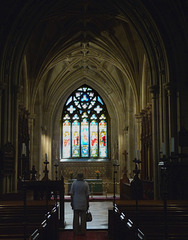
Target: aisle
x,y
99,212
90,235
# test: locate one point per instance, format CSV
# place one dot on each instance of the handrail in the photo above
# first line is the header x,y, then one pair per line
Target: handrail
x,y
105,186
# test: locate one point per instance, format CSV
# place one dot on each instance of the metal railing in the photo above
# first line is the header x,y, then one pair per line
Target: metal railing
x,y
107,188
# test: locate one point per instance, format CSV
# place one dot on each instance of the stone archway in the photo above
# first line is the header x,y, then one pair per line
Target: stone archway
x,y
117,49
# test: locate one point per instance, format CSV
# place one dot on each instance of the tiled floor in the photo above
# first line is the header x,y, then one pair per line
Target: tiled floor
x,y
99,210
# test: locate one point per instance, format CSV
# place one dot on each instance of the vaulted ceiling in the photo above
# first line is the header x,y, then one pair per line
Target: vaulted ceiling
x,y
76,42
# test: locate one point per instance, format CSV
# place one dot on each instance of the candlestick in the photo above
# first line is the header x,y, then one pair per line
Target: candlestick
x,y
163,146
138,154
172,144
23,149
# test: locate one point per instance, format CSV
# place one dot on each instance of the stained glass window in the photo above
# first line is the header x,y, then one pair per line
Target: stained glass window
x,y
84,139
93,139
75,139
85,125
66,139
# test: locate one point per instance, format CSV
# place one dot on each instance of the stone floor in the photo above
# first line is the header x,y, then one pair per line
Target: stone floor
x,y
99,210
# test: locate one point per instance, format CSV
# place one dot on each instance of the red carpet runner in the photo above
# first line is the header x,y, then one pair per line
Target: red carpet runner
x,y
90,235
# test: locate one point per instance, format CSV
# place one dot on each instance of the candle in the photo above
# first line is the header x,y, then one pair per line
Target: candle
x,y
163,146
23,149
138,154
135,153
172,144
46,157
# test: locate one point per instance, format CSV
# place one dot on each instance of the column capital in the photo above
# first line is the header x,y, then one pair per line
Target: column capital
x,y
154,89
138,116
32,116
169,87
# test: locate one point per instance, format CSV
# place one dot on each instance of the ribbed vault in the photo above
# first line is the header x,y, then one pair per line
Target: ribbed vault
x,y
86,42
108,45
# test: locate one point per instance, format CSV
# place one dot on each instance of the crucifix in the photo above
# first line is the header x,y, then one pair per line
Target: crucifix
x,y
46,169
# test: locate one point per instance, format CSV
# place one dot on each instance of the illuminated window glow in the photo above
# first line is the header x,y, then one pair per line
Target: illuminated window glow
x,y
84,126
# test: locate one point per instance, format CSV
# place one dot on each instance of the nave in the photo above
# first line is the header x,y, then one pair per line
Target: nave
x,y
90,235
99,210
97,229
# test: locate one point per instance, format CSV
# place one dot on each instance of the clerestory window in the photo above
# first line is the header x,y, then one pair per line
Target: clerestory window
x,y
84,126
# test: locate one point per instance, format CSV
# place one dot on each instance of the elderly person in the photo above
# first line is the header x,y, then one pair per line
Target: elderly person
x,y
80,203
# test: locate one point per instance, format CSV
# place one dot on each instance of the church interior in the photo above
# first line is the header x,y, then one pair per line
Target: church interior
x,y
98,87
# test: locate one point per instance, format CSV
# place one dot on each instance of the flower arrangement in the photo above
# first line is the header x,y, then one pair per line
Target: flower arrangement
x,y
97,173
71,174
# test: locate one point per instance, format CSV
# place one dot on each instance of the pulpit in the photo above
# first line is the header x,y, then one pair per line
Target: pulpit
x,y
44,189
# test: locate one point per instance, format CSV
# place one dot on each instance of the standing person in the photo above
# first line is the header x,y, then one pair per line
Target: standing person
x,y
80,203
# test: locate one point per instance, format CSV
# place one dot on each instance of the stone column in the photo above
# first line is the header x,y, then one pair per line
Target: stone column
x,y
1,143
15,118
31,123
171,114
155,121
131,135
1,90
139,130
165,130
138,118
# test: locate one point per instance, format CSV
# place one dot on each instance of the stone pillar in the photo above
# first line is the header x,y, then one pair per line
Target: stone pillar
x,y
15,118
1,90
131,135
172,122
139,130
155,121
31,123
1,143
138,118
165,131
3,105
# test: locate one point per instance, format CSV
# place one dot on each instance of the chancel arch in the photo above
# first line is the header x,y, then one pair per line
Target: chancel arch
x,y
115,48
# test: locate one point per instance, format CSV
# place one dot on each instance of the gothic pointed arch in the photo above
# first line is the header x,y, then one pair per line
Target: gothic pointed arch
x,y
85,126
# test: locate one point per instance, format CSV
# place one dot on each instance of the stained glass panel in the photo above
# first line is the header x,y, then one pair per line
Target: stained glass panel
x,y
93,139
103,139
84,133
84,138
66,139
69,100
75,139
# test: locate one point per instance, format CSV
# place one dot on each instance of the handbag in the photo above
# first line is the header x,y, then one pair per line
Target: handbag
x,y
88,216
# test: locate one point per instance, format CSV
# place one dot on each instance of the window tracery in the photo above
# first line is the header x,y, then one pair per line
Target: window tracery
x,y
84,125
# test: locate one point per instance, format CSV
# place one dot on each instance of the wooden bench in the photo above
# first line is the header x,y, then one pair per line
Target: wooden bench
x,y
17,222
48,228
121,227
154,221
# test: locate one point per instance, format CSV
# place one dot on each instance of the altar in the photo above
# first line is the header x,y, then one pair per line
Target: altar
x,y
95,186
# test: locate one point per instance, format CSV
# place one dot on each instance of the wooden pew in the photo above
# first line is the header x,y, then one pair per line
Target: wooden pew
x,y
154,221
15,223
121,227
48,229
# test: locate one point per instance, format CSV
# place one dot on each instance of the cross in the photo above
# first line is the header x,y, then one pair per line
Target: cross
x,y
33,172
136,170
46,170
56,165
